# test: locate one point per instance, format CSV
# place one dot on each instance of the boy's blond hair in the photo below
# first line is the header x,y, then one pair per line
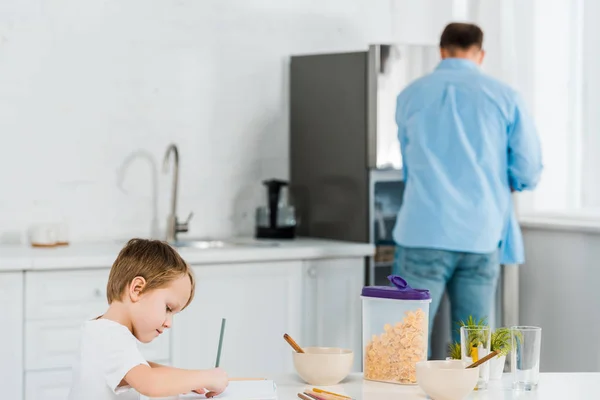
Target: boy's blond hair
x,y
155,261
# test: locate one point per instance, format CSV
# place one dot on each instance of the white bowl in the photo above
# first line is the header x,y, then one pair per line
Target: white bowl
x,y
323,366
446,380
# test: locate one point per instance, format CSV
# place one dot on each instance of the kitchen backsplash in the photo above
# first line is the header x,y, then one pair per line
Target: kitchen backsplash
x,y
92,93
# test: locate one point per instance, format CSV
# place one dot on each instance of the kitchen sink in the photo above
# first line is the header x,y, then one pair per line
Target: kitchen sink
x,y
219,244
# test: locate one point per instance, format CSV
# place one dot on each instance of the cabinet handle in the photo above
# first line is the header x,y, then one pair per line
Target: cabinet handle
x,y
312,272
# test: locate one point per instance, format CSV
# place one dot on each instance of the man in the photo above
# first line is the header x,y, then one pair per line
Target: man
x,y
467,142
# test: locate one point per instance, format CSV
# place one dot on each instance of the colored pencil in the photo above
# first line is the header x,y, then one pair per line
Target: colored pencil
x,y
218,362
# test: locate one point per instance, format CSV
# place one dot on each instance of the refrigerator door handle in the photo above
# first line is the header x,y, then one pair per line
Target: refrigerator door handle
x,y
372,73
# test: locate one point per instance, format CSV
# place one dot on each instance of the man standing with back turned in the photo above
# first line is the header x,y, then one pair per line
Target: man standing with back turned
x,y
467,142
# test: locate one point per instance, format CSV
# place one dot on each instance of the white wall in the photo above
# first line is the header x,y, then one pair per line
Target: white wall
x,y
87,85
559,292
422,21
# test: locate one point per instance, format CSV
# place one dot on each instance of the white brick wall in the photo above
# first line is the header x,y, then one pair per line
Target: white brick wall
x,y
86,84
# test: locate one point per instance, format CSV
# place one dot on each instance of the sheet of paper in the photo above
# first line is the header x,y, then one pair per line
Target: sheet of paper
x,y
243,390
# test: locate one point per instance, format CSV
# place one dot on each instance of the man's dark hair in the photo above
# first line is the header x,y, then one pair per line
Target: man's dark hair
x,y
461,36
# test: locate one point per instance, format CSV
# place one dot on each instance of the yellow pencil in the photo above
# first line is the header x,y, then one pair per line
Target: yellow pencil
x,y
331,393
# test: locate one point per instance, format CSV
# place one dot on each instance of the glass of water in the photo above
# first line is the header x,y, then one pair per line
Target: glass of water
x,y
474,345
525,362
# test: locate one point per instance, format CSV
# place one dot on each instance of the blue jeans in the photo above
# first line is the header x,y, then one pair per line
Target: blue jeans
x,y
469,278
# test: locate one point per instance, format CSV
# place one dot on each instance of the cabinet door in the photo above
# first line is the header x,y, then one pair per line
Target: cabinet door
x,y
75,294
260,301
48,385
11,335
54,344
332,305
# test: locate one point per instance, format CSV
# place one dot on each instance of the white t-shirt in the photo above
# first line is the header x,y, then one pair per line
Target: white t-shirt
x,y
107,352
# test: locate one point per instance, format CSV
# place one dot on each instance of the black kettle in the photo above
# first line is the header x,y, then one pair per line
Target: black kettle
x,y
276,219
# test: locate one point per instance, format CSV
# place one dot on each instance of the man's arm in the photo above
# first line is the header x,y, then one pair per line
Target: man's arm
x,y
402,138
524,150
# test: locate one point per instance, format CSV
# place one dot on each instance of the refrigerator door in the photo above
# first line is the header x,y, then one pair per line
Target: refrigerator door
x,y
386,190
390,69
328,159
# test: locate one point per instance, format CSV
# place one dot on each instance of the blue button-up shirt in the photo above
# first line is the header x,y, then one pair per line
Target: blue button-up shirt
x,y
466,140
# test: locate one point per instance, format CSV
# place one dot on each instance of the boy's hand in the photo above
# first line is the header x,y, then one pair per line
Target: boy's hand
x,y
217,382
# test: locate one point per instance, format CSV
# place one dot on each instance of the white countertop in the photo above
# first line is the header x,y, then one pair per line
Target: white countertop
x,y
102,255
565,223
552,387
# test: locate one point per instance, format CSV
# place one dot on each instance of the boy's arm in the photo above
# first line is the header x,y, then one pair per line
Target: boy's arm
x,y
156,365
163,381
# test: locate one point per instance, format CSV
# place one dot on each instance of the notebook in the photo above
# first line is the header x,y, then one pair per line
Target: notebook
x,y
243,390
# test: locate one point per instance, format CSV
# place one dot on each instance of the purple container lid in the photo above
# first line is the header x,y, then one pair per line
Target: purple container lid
x,y
400,291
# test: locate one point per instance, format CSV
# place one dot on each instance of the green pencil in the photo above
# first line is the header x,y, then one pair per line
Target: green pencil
x,y
220,343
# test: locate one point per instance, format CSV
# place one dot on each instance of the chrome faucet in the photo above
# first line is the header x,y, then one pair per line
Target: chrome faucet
x,y
173,226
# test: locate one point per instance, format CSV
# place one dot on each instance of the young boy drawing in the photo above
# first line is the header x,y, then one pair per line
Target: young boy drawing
x,y
148,283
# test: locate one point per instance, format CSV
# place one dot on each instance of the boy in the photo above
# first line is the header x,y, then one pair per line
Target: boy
x,y
148,283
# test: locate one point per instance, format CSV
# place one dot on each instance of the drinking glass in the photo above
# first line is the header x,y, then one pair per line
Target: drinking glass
x,y
475,344
525,361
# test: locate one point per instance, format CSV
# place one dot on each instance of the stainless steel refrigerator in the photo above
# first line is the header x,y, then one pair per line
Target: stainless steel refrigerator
x,y
345,161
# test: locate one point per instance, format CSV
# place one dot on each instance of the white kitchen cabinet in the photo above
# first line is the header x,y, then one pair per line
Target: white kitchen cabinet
x,y
158,350
57,303
51,385
332,315
11,335
261,302
74,294
52,344
47,385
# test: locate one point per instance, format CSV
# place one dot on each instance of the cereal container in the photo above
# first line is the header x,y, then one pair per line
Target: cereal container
x,y
395,331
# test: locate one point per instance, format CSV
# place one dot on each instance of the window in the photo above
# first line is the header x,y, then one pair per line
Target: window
x,y
547,49
564,93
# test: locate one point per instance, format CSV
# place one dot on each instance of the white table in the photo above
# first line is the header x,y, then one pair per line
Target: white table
x,y
563,386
